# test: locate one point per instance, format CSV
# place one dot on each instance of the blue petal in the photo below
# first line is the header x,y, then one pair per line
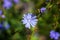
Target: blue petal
x,y
28,16
16,1
56,35
34,17
24,21
0,12
27,25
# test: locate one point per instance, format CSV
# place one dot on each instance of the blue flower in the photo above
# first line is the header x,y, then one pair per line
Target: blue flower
x,y
54,35
16,1
43,9
0,12
6,25
29,20
1,25
7,4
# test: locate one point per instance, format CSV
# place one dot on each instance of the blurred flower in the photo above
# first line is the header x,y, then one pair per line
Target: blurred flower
x,y
7,4
0,12
16,1
43,9
57,35
3,16
1,25
54,35
6,25
29,20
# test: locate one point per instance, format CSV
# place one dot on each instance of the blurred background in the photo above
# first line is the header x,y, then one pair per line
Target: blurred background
x,y
29,19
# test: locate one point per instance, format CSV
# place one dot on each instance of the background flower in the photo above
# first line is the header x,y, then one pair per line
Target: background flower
x,y
0,12
54,35
43,9
6,25
1,25
3,16
7,4
16,1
